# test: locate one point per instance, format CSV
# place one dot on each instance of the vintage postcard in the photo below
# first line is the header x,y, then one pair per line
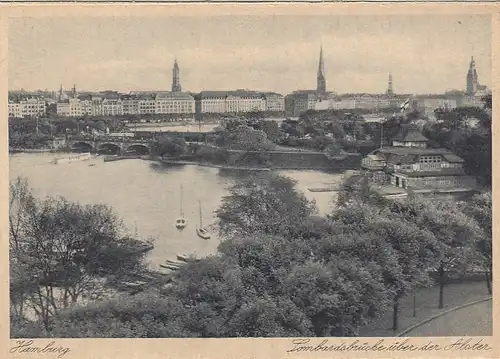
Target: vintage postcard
x,y
251,181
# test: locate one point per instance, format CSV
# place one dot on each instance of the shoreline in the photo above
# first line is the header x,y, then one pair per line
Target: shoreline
x,y
246,168
204,164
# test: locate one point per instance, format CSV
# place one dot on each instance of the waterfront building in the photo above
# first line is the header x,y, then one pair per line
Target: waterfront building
x,y
84,104
233,101
275,102
62,108
211,102
300,101
147,103
427,104
130,104
410,163
244,101
174,103
27,108
96,105
112,107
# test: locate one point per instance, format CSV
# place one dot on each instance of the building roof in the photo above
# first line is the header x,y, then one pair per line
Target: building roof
x,y
453,158
272,94
410,133
84,97
375,157
129,97
440,173
173,95
413,151
245,94
409,155
212,94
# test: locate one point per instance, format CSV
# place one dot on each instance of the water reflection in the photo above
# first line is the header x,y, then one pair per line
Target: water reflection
x,y
147,194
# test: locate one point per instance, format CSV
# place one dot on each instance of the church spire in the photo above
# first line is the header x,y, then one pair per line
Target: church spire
x,y
390,90
321,82
176,84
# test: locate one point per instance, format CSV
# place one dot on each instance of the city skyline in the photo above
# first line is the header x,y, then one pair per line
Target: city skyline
x,y
259,53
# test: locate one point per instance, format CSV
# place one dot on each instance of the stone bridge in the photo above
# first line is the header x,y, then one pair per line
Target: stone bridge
x,y
110,145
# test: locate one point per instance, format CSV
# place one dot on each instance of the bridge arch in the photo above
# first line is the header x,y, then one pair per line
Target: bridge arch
x,y
82,146
139,148
109,148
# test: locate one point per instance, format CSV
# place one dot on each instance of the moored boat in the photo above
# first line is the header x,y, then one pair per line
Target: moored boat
x,y
167,266
74,158
181,222
201,231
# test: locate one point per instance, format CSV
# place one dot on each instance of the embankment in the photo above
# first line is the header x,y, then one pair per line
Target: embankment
x,y
294,160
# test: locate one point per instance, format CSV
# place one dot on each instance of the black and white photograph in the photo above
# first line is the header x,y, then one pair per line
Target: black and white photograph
x,y
250,175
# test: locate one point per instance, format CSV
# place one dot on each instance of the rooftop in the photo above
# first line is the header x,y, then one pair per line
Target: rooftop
x,y
173,95
410,133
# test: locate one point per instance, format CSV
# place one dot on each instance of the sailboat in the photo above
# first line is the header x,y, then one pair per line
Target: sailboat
x,y
181,222
201,231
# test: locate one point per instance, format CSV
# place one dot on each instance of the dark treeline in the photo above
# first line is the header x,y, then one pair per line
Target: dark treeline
x,y
280,270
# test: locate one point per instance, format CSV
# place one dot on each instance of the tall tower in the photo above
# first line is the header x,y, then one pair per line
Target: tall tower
x,y
60,93
74,91
390,90
472,81
176,84
321,82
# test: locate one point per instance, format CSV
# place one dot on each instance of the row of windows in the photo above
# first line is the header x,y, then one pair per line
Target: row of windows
x,y
451,181
430,159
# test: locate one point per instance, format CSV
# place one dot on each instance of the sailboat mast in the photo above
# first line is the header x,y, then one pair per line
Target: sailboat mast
x,y
182,212
201,219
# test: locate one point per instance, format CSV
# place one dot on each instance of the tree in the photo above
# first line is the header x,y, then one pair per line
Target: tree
x,y
169,145
358,188
402,250
271,129
472,143
266,203
480,209
487,100
455,233
337,296
62,251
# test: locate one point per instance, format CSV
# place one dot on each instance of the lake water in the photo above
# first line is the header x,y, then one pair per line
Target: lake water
x,y
146,194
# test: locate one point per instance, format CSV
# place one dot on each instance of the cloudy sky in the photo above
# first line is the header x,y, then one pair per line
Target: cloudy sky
x,y
426,54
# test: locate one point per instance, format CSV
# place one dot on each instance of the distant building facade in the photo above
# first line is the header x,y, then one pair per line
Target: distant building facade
x,y
237,101
275,102
31,107
174,103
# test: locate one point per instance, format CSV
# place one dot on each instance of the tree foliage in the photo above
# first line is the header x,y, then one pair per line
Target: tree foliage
x,y
281,270
62,252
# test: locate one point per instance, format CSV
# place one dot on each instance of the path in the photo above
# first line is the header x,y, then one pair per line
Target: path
x,y
426,306
473,320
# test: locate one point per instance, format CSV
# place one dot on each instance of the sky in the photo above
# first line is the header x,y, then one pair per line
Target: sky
x,y
425,54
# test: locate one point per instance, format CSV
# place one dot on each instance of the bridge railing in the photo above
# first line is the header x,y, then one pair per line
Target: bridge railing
x,y
108,139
